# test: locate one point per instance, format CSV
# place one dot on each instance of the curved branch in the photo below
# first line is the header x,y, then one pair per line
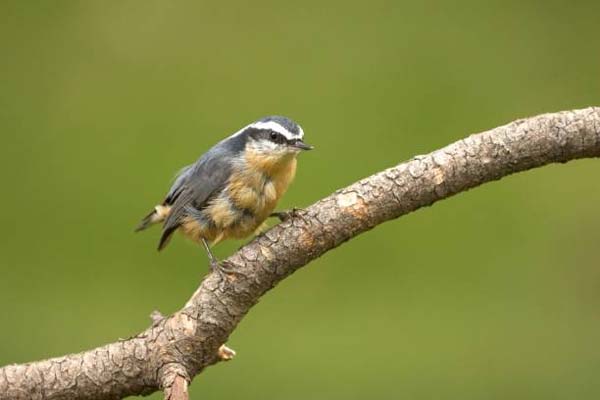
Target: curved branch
x,y
175,349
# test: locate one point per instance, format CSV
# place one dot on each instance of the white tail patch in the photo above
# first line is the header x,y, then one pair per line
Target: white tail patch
x,y
160,213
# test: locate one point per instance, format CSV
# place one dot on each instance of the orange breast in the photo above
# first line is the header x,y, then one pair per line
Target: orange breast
x,y
261,183
250,197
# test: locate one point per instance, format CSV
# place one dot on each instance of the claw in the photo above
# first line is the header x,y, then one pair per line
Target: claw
x,y
225,269
289,214
214,265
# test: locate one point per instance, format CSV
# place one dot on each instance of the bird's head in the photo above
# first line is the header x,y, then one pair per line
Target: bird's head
x,y
275,137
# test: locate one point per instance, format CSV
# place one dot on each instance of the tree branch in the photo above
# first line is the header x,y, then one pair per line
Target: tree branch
x,y
173,350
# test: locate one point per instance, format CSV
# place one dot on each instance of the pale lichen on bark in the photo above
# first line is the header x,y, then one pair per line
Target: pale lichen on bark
x,y
174,349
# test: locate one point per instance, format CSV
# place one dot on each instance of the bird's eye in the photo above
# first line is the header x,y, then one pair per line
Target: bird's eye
x,y
274,135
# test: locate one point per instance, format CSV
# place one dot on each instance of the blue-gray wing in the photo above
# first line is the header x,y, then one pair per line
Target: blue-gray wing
x,y
194,187
178,185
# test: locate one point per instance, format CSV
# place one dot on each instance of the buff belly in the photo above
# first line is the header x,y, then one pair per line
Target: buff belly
x,y
241,209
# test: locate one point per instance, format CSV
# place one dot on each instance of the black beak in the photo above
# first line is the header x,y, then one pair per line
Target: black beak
x,y
299,144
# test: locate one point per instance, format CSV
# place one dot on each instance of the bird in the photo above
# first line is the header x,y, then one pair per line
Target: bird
x,y
231,190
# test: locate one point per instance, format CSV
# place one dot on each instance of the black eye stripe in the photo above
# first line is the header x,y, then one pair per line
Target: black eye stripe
x,y
276,137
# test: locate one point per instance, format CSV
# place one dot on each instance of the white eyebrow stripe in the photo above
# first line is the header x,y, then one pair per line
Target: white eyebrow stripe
x,y
274,126
241,131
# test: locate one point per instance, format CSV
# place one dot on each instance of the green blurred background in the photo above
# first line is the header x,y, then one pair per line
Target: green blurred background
x,y
492,294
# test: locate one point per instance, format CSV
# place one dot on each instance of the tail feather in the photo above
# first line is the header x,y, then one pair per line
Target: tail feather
x,y
166,237
159,214
146,222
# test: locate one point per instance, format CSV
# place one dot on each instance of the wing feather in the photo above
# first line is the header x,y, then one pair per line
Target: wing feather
x,y
195,186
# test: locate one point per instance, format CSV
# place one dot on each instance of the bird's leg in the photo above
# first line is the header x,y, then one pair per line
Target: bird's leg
x,y
215,264
287,214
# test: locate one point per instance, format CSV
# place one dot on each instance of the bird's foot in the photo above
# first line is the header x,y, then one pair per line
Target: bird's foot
x,y
225,353
221,267
286,215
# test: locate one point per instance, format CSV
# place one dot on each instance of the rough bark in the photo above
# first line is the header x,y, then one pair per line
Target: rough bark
x,y
174,349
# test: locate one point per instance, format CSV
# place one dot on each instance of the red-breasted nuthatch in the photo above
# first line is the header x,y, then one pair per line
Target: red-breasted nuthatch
x,y
234,187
